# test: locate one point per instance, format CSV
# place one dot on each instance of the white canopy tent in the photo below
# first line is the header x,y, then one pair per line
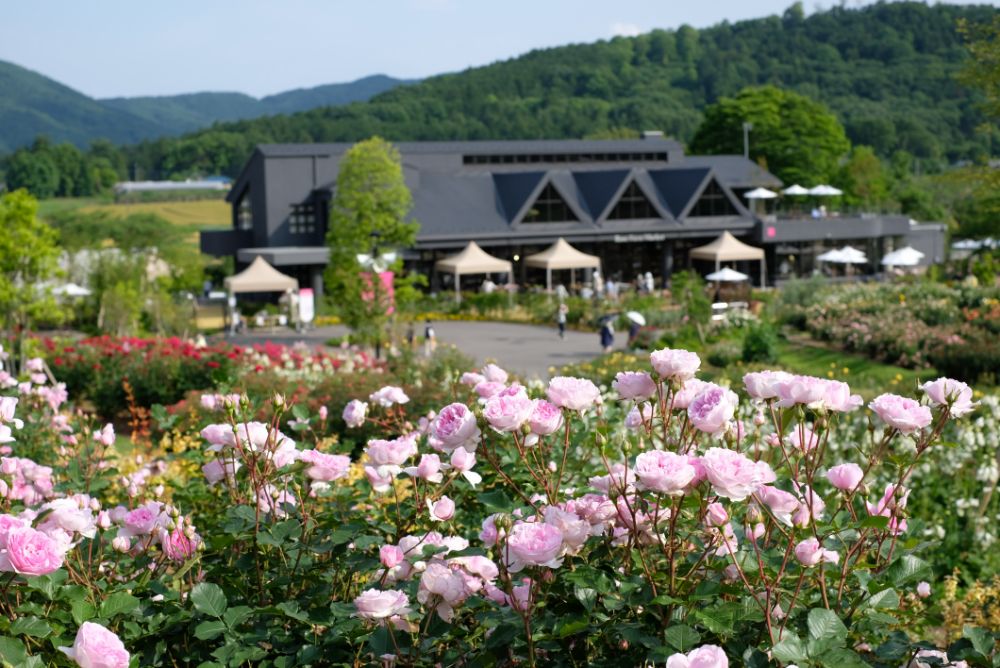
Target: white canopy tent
x,y
727,275
903,257
825,191
561,255
795,190
472,260
727,248
260,277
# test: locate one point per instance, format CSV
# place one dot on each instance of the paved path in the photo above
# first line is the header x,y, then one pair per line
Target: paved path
x,y
530,350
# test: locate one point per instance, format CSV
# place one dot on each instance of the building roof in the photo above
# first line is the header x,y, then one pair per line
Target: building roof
x,y
735,170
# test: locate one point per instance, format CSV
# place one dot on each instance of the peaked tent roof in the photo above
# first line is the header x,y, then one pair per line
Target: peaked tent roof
x,y
260,277
727,248
561,255
473,260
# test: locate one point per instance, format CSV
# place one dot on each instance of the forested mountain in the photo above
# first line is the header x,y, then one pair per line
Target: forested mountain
x,y
32,105
887,70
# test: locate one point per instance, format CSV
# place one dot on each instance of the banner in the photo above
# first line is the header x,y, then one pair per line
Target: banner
x,y
387,293
307,306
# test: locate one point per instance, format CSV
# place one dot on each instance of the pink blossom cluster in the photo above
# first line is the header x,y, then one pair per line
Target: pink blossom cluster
x,y
23,480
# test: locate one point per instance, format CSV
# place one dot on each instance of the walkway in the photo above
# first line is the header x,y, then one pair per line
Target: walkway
x,y
529,350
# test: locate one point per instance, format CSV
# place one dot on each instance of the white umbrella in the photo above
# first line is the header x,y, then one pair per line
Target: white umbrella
x,y
71,290
835,255
636,317
825,191
795,190
727,275
851,255
903,257
760,193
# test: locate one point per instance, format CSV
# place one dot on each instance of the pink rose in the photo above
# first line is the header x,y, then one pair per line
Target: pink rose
x,y
215,471
664,472
177,545
782,504
534,544
901,413
575,531
471,378
97,647
733,475
428,469
838,397
947,392
507,410
805,390
442,510
803,438
354,413
706,656
375,604
845,477
638,417
675,364
810,553
143,519
31,552
576,394
391,453
494,374
716,515
764,384
444,584
106,436
324,467
391,555
455,427
486,389
691,388
546,418
7,524
388,396
637,385
924,589
219,435
712,410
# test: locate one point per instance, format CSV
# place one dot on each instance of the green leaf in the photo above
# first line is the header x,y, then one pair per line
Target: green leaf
x,y
681,637
981,639
82,610
876,522
119,603
48,584
238,615
496,501
209,629
12,651
586,596
291,609
30,626
908,568
572,626
790,649
841,657
826,625
209,599
886,599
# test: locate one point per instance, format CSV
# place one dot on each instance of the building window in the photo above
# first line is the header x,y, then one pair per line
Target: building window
x,y
550,207
713,202
244,213
518,158
633,205
303,219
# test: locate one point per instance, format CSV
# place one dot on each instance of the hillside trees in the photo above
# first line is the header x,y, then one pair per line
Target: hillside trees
x,y
797,138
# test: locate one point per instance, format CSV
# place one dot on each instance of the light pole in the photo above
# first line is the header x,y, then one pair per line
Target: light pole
x,y
747,127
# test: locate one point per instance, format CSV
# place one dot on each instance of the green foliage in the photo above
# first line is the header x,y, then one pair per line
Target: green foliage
x,y
49,170
760,344
796,138
864,180
369,210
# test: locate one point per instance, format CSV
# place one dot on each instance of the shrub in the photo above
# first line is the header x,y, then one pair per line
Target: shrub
x,y
760,344
723,354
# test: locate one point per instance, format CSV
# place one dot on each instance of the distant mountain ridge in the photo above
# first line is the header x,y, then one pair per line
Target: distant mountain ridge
x,y
32,104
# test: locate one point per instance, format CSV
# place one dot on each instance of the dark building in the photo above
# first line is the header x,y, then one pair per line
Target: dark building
x,y
639,204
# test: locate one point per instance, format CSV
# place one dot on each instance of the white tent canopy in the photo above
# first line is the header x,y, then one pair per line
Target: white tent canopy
x,y
760,193
903,257
825,191
561,255
727,248
727,275
472,260
71,290
260,277
795,190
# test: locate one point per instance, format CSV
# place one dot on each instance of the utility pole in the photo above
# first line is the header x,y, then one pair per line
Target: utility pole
x,y
747,127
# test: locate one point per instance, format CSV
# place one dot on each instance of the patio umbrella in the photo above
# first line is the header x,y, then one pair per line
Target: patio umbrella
x,y
825,191
852,255
903,257
795,190
760,193
636,317
727,275
835,255
71,290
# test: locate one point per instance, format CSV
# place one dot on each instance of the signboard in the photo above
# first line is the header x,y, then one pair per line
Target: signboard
x,y
307,305
639,238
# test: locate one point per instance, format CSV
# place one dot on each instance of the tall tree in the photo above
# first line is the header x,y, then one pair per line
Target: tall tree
x,y
799,139
28,258
369,213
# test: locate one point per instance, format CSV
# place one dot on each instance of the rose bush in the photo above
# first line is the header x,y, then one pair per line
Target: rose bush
x,y
559,524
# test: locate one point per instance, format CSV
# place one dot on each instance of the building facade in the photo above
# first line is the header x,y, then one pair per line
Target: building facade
x,y
639,204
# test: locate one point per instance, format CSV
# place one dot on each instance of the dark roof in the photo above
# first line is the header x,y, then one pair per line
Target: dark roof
x,y
678,186
514,189
598,187
735,170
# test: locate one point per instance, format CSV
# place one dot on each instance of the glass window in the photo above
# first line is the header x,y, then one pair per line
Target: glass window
x,y
713,202
550,207
633,205
303,219
244,212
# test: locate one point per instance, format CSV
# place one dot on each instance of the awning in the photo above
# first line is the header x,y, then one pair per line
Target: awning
x,y
561,255
260,277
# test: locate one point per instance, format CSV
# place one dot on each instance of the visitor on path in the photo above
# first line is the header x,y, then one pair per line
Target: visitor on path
x,y
430,340
633,333
411,335
607,335
561,320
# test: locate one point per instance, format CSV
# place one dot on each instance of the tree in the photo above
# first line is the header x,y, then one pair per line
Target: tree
x,y
799,138
370,207
864,179
34,172
28,258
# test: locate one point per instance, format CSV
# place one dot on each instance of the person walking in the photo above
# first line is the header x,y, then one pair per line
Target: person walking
x,y
561,320
607,335
430,340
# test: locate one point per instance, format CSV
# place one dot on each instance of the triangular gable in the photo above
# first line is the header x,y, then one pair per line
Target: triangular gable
x,y
633,204
551,204
514,190
679,187
598,188
714,200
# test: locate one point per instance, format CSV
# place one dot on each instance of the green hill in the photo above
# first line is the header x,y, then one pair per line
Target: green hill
x,y
887,70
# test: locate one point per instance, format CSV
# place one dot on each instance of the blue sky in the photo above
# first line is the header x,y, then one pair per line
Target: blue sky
x,y
108,48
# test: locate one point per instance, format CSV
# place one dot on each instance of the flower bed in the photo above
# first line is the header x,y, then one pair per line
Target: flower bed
x,y
665,519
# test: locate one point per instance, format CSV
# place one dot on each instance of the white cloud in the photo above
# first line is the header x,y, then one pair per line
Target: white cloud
x,y
621,29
